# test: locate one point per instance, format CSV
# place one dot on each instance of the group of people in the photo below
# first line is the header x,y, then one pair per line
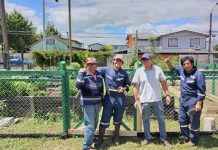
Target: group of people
x,y
106,86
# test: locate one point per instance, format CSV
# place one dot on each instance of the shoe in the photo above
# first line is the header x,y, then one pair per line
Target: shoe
x,y
167,144
117,135
144,142
191,144
100,137
183,141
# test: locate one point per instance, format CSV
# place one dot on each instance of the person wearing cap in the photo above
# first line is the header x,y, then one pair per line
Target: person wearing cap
x,y
147,94
117,83
193,88
90,83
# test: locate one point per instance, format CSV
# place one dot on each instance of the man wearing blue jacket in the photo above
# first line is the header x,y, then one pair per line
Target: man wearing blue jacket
x,y
90,83
193,89
117,82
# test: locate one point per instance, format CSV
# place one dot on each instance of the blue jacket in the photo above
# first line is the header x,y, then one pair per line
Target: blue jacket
x,y
113,78
193,86
91,90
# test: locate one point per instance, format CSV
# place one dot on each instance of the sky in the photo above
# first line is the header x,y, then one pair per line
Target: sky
x,y
109,21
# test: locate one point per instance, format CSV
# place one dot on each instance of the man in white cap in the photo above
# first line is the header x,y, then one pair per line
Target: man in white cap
x,y
117,82
147,95
90,83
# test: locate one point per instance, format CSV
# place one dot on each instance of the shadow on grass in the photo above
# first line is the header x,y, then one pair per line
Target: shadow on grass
x,y
109,142
209,141
206,142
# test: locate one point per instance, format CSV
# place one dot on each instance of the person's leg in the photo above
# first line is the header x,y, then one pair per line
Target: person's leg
x,y
184,122
89,123
146,111
105,120
159,113
195,126
119,108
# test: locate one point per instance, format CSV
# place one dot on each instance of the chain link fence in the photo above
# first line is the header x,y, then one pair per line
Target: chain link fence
x,y
31,102
43,102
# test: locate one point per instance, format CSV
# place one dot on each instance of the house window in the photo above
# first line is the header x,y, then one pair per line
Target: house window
x,y
50,41
173,42
194,42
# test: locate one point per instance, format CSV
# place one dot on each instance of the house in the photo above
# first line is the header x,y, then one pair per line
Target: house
x,y
95,47
56,43
178,43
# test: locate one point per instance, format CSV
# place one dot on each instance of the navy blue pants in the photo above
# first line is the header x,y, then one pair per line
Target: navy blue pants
x,y
113,104
192,132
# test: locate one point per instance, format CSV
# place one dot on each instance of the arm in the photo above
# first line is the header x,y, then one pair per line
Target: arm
x,y
136,97
166,91
80,80
163,82
169,64
201,90
135,82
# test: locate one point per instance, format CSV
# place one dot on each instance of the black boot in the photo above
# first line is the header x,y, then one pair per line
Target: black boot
x,y
100,137
117,134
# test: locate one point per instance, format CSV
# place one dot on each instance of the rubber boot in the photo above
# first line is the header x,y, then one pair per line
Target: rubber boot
x,y
100,137
117,134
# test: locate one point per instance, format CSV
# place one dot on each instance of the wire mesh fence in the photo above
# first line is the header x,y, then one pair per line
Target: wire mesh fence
x,y
31,102
48,102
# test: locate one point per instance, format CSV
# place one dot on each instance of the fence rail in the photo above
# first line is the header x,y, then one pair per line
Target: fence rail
x,y
45,102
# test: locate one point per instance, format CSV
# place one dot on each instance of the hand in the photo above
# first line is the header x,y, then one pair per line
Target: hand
x,y
137,104
120,89
198,106
168,59
168,100
83,70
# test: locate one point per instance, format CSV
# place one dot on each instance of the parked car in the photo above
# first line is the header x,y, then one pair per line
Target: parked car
x,y
17,61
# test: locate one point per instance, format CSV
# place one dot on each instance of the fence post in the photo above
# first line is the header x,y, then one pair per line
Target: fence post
x,y
65,99
213,77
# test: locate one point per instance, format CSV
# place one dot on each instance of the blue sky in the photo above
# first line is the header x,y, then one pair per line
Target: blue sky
x,y
117,18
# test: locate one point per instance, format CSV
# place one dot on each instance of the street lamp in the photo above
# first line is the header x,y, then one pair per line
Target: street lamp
x,y
210,32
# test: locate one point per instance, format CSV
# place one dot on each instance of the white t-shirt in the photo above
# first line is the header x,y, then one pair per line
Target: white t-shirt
x,y
149,83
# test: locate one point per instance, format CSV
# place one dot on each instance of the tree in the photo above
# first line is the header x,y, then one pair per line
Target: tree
x,y
22,33
106,48
51,30
216,49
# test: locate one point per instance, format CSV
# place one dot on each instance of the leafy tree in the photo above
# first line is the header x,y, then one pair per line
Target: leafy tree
x,y
216,49
51,30
106,48
22,33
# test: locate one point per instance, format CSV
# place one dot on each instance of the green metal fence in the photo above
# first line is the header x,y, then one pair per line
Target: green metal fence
x,y
47,102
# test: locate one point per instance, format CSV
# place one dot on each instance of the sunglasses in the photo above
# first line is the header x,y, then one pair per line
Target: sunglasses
x,y
92,64
118,60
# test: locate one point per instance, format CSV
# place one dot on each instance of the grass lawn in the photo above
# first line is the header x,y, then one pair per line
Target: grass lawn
x,y
131,143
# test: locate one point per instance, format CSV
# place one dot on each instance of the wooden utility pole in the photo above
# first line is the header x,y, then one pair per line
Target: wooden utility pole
x,y
6,54
69,19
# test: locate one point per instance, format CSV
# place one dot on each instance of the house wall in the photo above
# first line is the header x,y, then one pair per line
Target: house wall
x,y
95,46
183,40
143,42
57,46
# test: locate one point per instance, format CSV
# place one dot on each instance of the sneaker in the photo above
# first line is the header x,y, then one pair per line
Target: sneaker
x,y
167,144
98,143
144,142
191,144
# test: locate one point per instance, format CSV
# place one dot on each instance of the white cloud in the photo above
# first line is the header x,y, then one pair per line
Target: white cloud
x,y
27,12
144,15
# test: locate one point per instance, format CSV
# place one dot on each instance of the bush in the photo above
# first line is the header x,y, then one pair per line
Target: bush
x,y
74,65
73,89
3,108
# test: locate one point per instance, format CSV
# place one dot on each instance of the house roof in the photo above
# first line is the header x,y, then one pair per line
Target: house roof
x,y
63,40
66,40
176,51
95,44
193,32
